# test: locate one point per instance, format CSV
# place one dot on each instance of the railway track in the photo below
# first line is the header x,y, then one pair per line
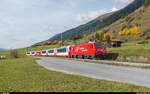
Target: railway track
x,y
109,61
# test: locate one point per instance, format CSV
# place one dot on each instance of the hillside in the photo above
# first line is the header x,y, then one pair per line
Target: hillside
x,y
96,24
100,18
139,18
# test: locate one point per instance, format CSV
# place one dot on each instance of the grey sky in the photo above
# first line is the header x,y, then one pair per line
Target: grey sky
x,y
25,22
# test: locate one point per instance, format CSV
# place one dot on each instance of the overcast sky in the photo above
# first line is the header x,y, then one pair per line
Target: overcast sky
x,y
25,22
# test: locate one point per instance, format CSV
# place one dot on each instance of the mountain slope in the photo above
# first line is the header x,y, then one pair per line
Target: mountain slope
x,y
100,18
139,18
96,24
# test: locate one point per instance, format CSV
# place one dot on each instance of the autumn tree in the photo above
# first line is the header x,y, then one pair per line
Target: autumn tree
x,y
107,38
66,42
99,35
14,54
54,42
46,43
127,31
59,43
43,43
49,42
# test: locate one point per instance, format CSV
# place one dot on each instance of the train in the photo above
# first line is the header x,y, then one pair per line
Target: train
x,y
84,51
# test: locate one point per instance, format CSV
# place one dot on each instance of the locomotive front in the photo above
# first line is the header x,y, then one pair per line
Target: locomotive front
x,y
100,49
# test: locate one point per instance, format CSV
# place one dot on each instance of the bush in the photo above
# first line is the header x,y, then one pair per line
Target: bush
x,y
147,37
14,54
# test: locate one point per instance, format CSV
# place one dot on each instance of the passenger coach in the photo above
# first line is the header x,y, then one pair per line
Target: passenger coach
x,y
63,51
33,53
44,53
51,52
28,53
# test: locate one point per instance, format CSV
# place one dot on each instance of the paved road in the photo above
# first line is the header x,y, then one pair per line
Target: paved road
x,y
114,62
100,71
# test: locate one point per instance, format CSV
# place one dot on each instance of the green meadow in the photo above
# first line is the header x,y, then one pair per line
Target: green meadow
x,y
24,75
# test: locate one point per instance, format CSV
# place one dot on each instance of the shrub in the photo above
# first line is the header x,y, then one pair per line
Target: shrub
x,y
127,18
147,37
14,54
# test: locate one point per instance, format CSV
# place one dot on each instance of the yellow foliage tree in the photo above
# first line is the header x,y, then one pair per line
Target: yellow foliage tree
x,y
108,36
134,31
99,35
46,43
43,43
100,32
49,42
59,42
120,33
55,42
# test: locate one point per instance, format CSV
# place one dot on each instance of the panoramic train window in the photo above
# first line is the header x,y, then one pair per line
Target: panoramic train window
x,y
33,52
51,51
99,46
43,52
62,50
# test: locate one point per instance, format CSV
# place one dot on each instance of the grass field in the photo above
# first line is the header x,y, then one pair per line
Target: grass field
x,y
22,51
131,52
139,53
24,75
130,49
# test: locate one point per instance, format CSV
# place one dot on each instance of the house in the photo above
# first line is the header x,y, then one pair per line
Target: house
x,y
116,42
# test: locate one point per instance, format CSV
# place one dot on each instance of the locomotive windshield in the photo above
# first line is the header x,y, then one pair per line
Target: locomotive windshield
x,y
51,51
43,52
99,46
28,52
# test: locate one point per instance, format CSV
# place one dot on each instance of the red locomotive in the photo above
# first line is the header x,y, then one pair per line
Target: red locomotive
x,y
89,50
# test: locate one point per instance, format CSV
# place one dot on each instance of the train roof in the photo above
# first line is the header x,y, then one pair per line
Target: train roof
x,y
64,46
89,43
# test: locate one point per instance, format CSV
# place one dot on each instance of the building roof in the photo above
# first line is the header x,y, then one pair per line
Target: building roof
x,y
116,40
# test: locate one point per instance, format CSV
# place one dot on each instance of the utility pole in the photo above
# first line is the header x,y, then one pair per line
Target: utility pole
x,y
27,49
61,39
